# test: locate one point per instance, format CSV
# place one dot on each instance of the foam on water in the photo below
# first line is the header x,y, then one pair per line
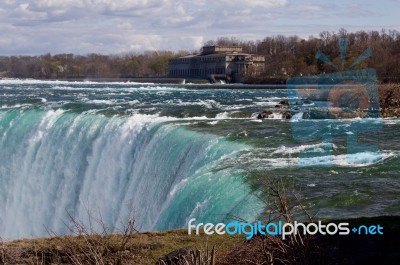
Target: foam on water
x,y
275,116
13,81
285,157
301,148
297,117
72,146
55,163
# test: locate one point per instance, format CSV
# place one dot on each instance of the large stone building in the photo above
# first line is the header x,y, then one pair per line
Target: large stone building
x,y
217,62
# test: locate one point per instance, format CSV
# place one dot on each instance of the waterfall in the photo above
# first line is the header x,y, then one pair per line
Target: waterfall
x,y
55,162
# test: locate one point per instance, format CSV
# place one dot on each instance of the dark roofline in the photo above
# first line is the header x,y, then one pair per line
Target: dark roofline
x,y
219,55
223,46
225,54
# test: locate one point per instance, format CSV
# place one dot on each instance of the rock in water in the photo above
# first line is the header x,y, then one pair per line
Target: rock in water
x,y
307,101
284,102
287,115
264,114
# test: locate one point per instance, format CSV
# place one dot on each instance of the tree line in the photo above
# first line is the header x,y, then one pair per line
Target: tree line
x,y
70,66
289,56
286,56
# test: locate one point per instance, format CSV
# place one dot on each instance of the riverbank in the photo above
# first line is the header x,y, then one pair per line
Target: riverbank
x,y
147,248
140,248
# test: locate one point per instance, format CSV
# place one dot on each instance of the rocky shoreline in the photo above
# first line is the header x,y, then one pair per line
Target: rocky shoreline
x,y
389,101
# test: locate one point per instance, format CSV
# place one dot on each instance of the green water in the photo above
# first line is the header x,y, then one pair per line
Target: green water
x,y
179,152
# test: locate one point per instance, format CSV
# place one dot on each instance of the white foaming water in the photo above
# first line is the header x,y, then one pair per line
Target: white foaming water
x,y
297,117
102,101
260,158
15,106
364,158
209,103
275,116
213,122
12,81
266,103
310,147
223,115
55,163
391,121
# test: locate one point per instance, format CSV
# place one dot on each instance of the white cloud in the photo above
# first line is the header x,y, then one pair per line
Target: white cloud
x,y
124,25
251,3
22,11
110,26
177,11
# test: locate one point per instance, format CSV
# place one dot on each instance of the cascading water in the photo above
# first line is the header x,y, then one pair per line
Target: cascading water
x,y
55,163
172,153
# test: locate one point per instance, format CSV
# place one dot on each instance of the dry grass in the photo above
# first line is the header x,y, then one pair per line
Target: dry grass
x,y
130,247
90,246
142,248
283,203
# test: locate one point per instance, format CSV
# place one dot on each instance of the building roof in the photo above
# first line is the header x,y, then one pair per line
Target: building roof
x,y
219,53
189,56
220,49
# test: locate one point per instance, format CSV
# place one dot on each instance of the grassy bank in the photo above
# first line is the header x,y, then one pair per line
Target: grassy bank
x,y
142,248
147,248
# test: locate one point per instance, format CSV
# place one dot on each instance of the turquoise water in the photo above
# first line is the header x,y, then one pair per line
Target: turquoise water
x,y
172,153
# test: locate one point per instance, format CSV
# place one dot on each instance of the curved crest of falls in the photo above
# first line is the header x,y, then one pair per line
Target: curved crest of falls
x,y
170,153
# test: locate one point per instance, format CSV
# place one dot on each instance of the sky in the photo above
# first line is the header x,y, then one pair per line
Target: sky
x,y
125,26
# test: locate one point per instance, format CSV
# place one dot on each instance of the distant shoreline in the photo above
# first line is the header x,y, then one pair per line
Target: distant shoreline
x,y
165,80
192,83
